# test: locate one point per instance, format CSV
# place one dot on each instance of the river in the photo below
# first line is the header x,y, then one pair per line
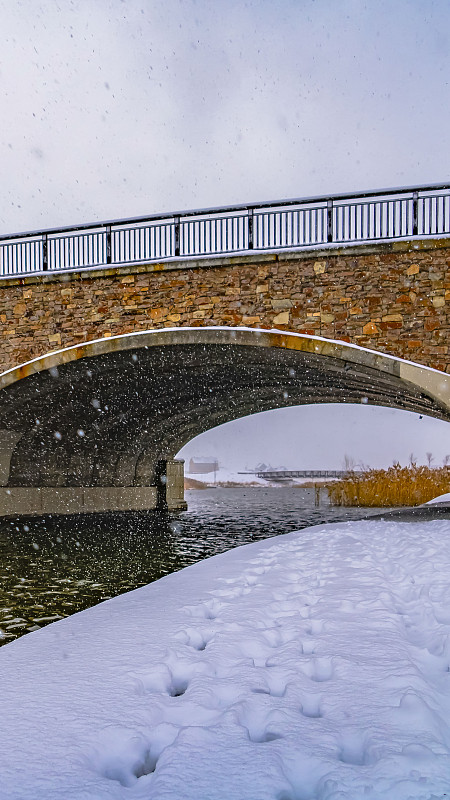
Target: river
x,y
52,567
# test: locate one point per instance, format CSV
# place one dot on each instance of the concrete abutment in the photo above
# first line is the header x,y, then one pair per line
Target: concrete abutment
x,y
167,495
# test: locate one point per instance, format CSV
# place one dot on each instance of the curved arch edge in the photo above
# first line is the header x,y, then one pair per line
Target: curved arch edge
x,y
432,382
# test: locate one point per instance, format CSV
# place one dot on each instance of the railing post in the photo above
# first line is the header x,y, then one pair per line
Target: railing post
x,y
415,213
250,228
45,253
108,244
176,222
329,220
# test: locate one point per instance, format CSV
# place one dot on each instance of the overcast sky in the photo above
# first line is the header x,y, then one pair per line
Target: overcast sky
x,y
117,108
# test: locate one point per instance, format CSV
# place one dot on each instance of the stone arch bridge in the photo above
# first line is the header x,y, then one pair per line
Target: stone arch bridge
x,y
95,427
109,368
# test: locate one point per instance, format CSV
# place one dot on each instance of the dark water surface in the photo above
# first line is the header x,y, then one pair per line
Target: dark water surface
x,y
51,567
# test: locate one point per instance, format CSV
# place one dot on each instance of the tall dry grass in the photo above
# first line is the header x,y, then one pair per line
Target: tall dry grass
x,y
396,486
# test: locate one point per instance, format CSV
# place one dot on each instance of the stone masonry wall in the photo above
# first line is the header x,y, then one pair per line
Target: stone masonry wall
x,y
394,298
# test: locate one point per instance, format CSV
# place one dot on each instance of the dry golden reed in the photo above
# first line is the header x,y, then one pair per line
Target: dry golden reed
x,y
396,486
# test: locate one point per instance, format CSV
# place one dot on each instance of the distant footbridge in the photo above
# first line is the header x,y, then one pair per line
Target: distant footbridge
x,y
290,474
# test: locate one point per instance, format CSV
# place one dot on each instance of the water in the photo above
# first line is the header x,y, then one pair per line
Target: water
x,y
54,566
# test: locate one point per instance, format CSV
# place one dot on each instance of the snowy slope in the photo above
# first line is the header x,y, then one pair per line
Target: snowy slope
x,y
442,498
313,666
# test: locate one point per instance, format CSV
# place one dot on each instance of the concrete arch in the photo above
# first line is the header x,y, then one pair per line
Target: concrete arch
x,y
103,413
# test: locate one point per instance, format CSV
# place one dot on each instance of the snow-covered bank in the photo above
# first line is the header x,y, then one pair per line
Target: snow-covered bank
x,y
313,666
442,498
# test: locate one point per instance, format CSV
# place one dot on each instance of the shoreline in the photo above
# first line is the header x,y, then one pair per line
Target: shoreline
x,y
191,483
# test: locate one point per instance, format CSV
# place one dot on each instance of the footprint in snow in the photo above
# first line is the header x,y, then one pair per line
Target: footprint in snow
x,y
252,578
277,636
355,748
276,681
319,669
311,706
315,627
265,561
125,755
231,593
194,638
259,567
260,725
255,649
266,735
172,679
208,610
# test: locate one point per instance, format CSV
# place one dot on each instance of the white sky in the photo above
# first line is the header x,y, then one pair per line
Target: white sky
x,y
117,108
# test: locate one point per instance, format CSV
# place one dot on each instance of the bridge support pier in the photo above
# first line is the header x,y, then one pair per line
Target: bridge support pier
x,y
170,482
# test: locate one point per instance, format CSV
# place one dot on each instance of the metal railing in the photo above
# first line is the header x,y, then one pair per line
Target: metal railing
x,y
338,219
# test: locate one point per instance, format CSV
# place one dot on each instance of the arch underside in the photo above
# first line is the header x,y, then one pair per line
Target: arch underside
x,y
106,419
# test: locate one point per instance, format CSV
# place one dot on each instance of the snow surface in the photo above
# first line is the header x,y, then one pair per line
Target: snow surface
x,y
442,498
312,666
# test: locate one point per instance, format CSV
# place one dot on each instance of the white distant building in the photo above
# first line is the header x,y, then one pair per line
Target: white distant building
x,y
203,466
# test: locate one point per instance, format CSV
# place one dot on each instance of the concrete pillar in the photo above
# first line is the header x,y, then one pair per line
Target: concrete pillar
x,y
170,482
8,441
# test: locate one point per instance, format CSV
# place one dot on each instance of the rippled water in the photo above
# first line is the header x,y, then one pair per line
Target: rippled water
x,y
51,567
